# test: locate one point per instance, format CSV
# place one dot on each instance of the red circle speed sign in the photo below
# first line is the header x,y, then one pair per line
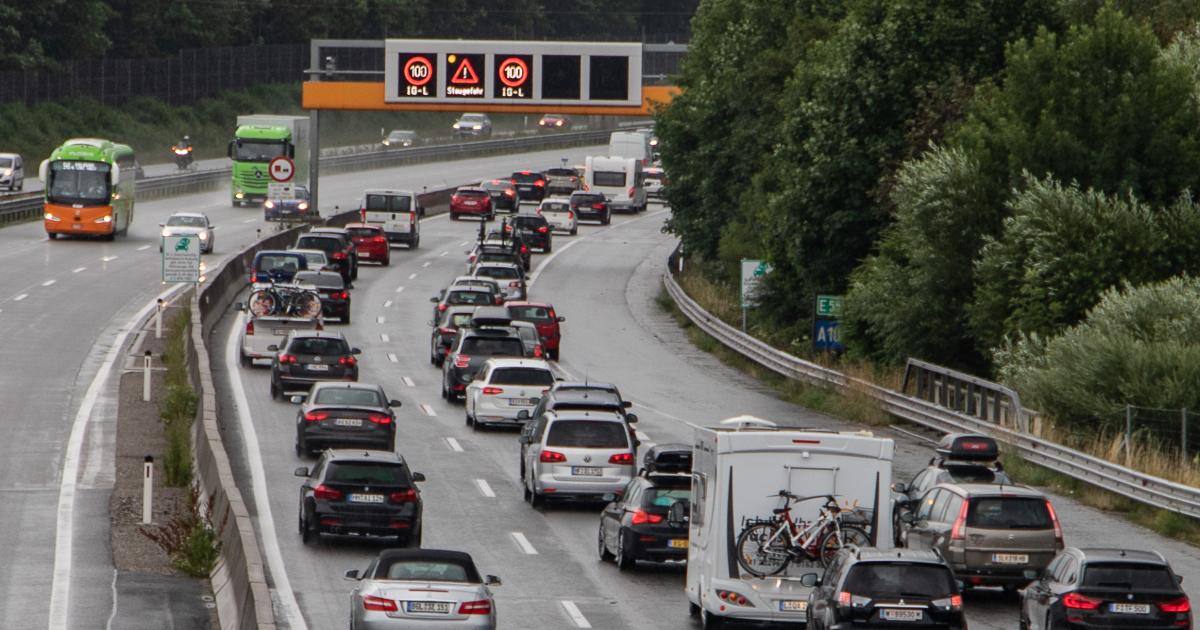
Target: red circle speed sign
x,y
418,71
513,72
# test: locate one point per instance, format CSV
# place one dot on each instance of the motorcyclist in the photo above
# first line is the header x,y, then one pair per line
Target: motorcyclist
x,y
183,153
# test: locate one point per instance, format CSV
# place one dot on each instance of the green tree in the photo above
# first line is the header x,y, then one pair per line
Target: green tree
x,y
38,35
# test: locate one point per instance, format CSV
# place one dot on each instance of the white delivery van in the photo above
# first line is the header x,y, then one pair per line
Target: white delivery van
x,y
397,211
738,470
631,144
619,179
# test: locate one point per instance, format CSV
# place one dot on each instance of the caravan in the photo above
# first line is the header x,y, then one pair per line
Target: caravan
x,y
619,179
738,471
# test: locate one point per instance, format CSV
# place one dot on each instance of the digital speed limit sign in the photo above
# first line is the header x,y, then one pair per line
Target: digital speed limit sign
x,y
514,77
418,77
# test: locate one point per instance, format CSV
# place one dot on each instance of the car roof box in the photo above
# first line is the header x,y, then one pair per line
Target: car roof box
x,y
490,316
968,447
668,458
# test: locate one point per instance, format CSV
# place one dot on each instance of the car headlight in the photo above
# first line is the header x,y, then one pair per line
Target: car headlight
x,y
477,127
6,172
303,205
386,143
104,219
454,126
204,236
239,194
268,204
558,124
166,232
51,217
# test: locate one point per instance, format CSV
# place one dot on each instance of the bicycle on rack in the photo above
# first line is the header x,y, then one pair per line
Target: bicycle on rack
x,y
767,547
284,299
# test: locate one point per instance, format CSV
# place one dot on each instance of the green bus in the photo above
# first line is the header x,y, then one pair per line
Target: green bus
x,y
90,187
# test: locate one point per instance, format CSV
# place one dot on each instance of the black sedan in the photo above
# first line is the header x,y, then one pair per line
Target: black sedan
x,y
647,522
503,194
308,356
334,292
591,206
363,493
337,415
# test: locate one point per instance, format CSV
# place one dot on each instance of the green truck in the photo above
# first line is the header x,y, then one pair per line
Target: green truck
x,y
260,138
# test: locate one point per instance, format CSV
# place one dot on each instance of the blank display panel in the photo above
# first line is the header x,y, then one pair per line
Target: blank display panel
x,y
609,78
560,76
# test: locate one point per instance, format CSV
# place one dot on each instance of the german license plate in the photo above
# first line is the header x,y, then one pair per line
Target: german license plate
x,y
680,543
348,422
522,402
469,203
366,498
585,471
318,367
1130,609
793,605
900,614
364,254
1010,558
442,608
279,332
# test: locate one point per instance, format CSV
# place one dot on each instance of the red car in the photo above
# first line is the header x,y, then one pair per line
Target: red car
x,y
370,243
543,316
472,201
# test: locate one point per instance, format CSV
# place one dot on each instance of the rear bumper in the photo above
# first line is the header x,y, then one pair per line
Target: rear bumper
x,y
400,237
475,211
304,383
551,486
318,439
990,576
657,550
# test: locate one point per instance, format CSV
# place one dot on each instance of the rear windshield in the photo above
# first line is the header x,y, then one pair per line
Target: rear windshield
x,y
393,203
1128,575
458,319
899,580
528,222
427,571
349,396
316,257
608,178
495,257
588,434
522,376
472,193
556,207
468,297
323,243
1009,513
497,185
319,346
361,232
183,220
665,497
529,313
652,176
527,177
586,199
286,263
320,280
366,472
562,172
503,273
493,346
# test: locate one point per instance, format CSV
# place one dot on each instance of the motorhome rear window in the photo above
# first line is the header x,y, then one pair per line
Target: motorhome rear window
x,y
608,178
588,434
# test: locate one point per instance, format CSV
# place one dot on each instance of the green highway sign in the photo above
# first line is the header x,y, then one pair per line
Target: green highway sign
x,y
829,306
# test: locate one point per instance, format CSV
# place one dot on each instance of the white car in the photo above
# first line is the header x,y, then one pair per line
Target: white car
x,y
421,589
189,224
503,388
557,212
316,259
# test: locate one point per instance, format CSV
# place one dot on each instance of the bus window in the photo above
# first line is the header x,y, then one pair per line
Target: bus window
x,y
76,182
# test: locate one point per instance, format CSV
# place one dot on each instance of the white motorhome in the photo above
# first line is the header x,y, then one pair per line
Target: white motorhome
x,y
620,179
631,144
397,211
738,470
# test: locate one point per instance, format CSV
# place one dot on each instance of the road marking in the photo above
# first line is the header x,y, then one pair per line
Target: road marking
x,y
393,358
143,248
574,613
258,481
49,283
411,276
20,297
387,304
60,585
249,221
78,269
108,258
464,243
454,445
113,614
426,263
485,489
444,253
427,410
399,289
642,436
384,338
524,544
379,320
408,381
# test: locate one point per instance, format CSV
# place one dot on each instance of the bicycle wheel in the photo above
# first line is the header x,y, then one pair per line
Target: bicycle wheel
x,y
306,304
262,303
834,540
761,552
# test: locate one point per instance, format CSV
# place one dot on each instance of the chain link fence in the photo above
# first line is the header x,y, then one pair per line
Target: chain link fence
x,y
1167,430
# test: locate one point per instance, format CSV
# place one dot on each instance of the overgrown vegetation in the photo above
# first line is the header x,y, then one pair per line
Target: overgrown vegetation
x,y
180,403
190,538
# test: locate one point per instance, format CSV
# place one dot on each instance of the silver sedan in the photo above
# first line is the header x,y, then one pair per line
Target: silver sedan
x,y
421,588
189,224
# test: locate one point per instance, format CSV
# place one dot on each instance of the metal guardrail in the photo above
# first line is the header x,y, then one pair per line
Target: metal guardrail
x,y
1112,477
966,393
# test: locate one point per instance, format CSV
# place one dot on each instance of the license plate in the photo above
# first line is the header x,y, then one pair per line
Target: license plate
x,y
585,471
1130,609
76,226
318,367
429,607
470,203
900,614
792,605
279,332
364,254
522,402
1010,558
366,498
681,543
348,422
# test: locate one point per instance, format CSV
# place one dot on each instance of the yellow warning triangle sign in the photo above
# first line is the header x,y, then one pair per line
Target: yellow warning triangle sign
x,y
465,73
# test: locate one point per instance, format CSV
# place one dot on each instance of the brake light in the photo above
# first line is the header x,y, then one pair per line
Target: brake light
x,y
537,351
462,361
315,416
378,604
250,327
288,359
954,602
514,284
442,307
1081,602
734,598
477,607
524,249
621,459
325,492
1058,535
960,523
543,230
492,391
512,181
339,255
380,418
1180,605
455,199
509,192
844,598
404,496
597,206
551,457
339,295
570,215
642,517
378,239
541,183
347,361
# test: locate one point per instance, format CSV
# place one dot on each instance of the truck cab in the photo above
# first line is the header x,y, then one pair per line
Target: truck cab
x,y
260,138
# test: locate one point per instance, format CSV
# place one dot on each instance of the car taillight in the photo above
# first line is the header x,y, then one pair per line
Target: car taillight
x,y
1180,605
315,416
1081,602
447,331
954,602
621,459
642,517
378,604
379,239
524,249
543,230
551,457
462,361
477,607
631,189
960,523
340,295
514,284
250,327
509,192
347,361
455,199
1058,535
537,351
512,181
570,215
339,255
325,492
380,418
442,307
597,206
288,359
492,391
734,598
541,183
404,496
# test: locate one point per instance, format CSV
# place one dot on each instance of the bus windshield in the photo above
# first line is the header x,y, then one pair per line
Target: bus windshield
x,y
78,182
257,150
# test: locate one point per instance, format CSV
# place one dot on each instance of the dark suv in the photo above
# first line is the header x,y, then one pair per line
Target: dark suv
x,y
471,347
649,520
874,588
308,356
360,492
533,229
531,185
591,206
338,248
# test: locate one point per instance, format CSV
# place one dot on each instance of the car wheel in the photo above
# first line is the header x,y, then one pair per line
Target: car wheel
x,y
553,354
453,216
693,610
387,262
607,219
246,361
308,534
624,562
535,499
300,449
1023,623
275,391
52,235
470,421
574,231
413,540
601,547
546,249
522,473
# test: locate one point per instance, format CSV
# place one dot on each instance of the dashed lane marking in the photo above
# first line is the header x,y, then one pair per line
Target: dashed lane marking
x,y
454,445
49,283
524,544
426,263
384,338
408,381
427,410
642,436
485,489
78,269
143,248
108,258
446,253
411,276
249,221
575,614
20,297
464,243
387,304
379,320
399,289
393,358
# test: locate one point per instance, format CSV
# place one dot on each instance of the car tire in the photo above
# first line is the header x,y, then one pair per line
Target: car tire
x,y
246,361
547,248
470,421
602,548
535,500
276,392
346,317
453,216
308,534
413,539
52,235
1023,623
693,610
607,219
574,231
624,562
553,354
387,262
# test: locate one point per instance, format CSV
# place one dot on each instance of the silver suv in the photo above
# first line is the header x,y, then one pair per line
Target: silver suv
x,y
575,455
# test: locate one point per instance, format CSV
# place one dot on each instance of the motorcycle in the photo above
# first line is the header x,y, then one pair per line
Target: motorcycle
x,y
183,157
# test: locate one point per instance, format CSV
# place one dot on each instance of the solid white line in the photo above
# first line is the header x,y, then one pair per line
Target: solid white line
x,y
393,358
575,614
485,489
20,297
399,289
411,276
258,482
537,273
443,254
387,304
384,338
464,243
78,269
49,282
427,410
642,436
426,263
249,221
109,258
143,248
408,381
60,586
524,544
379,320
112,615
454,445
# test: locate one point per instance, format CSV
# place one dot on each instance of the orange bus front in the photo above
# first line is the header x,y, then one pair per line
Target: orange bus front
x,y
77,219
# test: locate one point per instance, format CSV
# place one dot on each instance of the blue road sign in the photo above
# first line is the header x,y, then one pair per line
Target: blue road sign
x,y
826,335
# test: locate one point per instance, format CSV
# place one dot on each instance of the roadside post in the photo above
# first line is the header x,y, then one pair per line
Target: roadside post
x,y
158,318
148,490
826,332
753,272
146,378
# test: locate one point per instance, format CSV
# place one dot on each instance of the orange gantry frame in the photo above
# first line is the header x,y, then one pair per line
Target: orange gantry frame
x,y
369,96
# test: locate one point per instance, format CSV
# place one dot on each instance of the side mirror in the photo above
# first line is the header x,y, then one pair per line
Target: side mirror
x,y
115,175
241,306
272,348
523,439
608,497
523,414
561,318
492,580
418,477
1179,579
229,150
394,403
301,471
1030,574
626,404
810,580
355,351
352,574
900,487
43,170
960,584
908,517
297,399
631,418
434,299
